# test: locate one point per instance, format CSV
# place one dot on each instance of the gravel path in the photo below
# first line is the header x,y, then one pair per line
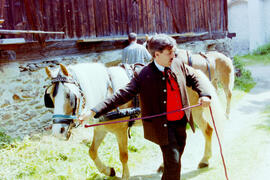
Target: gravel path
x,y
246,141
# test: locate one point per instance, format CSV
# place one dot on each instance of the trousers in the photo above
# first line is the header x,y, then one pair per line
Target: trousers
x,y
172,152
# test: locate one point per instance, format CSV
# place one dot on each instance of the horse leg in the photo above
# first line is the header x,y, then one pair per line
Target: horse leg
x,y
99,135
122,140
215,83
207,131
228,93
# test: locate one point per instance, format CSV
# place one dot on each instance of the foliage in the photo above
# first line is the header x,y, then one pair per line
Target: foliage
x,y
244,80
263,50
5,140
259,56
252,59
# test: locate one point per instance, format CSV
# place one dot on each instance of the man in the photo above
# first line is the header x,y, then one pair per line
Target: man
x,y
161,86
134,52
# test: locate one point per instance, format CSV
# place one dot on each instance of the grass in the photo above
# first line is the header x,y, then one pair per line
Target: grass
x,y
252,59
259,56
5,140
45,157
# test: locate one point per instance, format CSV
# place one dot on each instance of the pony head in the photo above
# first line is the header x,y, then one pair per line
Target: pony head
x,y
63,95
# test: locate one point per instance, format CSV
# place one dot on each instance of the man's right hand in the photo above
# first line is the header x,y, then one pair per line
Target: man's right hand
x,y
85,115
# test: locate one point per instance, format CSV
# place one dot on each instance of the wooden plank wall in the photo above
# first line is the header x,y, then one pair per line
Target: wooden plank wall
x,y
81,19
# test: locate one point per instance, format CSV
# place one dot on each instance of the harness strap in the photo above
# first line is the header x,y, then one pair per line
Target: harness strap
x,y
189,59
78,101
62,116
62,121
208,64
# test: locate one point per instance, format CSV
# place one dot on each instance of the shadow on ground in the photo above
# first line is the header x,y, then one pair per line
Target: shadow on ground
x,y
184,176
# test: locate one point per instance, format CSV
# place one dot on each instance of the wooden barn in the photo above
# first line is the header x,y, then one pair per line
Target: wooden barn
x,y
28,25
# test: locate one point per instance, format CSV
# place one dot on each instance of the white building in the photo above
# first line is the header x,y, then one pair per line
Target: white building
x,y
250,20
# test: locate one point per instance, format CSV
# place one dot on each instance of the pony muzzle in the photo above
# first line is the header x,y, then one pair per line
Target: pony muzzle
x,y
62,125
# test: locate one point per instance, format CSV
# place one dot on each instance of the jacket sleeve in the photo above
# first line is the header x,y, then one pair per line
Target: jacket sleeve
x,y
119,98
196,80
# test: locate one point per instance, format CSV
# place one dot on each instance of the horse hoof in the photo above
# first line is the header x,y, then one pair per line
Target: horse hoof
x,y
112,173
203,165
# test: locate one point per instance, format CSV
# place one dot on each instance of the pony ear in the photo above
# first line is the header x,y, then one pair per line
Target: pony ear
x,y
146,37
64,70
48,72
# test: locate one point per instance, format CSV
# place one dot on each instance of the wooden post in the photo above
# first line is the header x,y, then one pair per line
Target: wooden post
x,y
2,5
175,21
33,20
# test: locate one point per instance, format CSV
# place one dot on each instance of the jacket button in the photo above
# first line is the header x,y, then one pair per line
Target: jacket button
x,y
164,90
164,102
163,78
165,125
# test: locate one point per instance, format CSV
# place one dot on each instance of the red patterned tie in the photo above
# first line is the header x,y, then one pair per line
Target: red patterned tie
x,y
169,74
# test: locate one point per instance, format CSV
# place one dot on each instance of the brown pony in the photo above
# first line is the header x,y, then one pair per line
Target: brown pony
x,y
80,87
217,67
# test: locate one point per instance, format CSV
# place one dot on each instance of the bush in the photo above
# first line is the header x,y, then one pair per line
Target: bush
x,y
243,80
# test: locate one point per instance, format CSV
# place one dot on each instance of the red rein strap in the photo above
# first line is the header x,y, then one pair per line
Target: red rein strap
x,y
141,118
219,143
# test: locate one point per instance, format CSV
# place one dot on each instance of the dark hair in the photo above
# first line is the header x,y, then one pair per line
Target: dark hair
x,y
160,42
132,36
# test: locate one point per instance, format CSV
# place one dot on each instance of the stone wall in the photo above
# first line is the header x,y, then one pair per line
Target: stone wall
x,y
23,85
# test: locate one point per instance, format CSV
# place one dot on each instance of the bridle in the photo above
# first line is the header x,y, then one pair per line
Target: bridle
x,y
63,118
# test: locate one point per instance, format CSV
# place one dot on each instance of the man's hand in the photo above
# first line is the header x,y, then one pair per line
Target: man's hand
x,y
85,115
205,101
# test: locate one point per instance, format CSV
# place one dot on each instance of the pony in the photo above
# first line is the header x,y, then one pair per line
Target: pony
x,y
77,88
215,65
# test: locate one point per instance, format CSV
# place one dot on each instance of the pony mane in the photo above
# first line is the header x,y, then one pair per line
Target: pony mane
x,y
118,77
94,81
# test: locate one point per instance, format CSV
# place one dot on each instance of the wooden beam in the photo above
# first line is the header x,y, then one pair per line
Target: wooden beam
x,y
6,31
189,34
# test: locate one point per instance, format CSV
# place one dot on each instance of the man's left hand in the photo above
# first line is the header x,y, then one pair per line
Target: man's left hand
x,y
205,101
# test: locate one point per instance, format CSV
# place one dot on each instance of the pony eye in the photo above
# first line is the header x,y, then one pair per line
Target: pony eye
x,y
67,96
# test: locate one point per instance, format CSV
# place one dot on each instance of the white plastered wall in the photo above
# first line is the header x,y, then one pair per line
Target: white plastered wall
x,y
250,20
239,24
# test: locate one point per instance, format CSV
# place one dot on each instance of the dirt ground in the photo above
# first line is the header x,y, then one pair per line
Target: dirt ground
x,y
245,142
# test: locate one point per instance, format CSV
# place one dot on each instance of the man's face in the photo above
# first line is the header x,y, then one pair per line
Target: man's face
x,y
165,57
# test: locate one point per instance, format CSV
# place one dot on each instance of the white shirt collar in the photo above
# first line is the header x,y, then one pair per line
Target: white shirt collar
x,y
161,68
133,42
